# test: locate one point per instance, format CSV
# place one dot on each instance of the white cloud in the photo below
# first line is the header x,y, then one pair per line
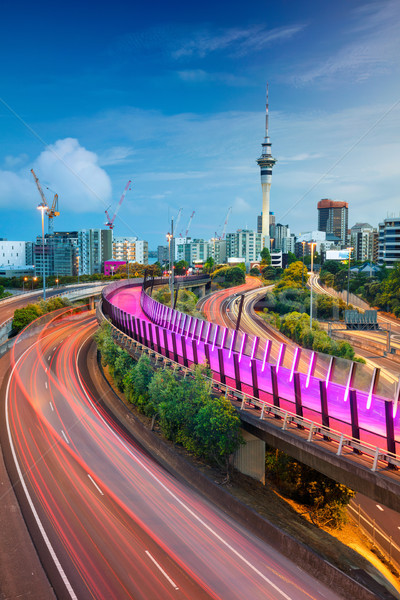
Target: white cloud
x,y
115,155
65,167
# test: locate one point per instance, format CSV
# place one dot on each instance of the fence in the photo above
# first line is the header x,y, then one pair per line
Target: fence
x,y
360,415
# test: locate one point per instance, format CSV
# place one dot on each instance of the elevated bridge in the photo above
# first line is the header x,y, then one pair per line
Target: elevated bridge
x,y
327,417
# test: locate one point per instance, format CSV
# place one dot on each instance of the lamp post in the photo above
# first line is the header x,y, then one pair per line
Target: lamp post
x,y
33,279
170,237
57,283
43,209
23,283
302,271
312,245
348,275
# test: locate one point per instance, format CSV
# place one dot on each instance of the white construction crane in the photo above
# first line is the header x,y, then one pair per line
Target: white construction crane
x,y
110,222
226,223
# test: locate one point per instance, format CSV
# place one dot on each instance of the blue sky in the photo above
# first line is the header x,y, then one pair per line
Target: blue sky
x,y
172,95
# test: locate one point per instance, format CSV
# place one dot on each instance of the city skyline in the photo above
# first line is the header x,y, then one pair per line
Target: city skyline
x,y
177,104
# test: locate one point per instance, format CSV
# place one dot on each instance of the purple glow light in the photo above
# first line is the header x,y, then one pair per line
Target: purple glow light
x,y
281,351
188,327
346,392
208,332
310,368
266,353
296,357
200,332
224,337
232,342
244,337
255,344
215,336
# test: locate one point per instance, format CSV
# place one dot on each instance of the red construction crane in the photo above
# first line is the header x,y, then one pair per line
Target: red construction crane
x,y
222,236
189,224
110,222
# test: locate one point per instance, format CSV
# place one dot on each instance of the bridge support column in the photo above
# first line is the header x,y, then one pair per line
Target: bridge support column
x,y
355,427
324,406
256,391
158,339
221,366
166,350
195,355
237,371
391,444
297,396
275,392
91,303
184,353
207,353
173,334
249,458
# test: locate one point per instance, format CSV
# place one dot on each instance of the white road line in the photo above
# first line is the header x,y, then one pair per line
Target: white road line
x,y
162,570
95,485
163,486
51,406
45,384
64,436
49,357
45,370
54,348
380,507
22,481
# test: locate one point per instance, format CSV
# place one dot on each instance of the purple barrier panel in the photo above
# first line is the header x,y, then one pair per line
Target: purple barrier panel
x,y
223,341
189,351
151,339
246,376
214,363
183,330
355,428
310,393
214,336
297,396
208,333
238,380
253,367
221,368
134,329
286,386
264,381
200,331
144,331
195,324
338,408
174,346
201,355
188,327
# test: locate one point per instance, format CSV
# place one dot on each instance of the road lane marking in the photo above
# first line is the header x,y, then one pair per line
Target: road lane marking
x,y
45,384
45,370
64,436
95,484
24,486
380,507
49,357
51,406
163,486
54,348
167,577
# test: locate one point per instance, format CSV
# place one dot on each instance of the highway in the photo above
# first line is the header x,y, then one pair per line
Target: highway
x,y
108,521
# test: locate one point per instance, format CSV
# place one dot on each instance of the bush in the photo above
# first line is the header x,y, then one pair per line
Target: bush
x,y
24,316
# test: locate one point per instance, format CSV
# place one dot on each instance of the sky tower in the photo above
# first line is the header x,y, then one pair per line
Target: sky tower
x,y
266,162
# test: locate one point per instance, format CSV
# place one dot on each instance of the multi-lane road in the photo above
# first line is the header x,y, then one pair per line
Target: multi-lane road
x,y
109,522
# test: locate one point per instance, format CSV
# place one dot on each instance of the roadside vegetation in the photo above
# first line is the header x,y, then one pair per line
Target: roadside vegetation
x,y
227,277
186,301
184,409
24,316
324,500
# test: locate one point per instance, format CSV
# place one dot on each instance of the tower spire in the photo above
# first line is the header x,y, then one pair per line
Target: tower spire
x,y
266,163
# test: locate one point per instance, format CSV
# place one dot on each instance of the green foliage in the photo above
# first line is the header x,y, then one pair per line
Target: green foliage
x,y
272,273
186,301
292,277
255,272
209,265
186,411
291,258
24,316
265,256
4,294
229,276
325,498
181,267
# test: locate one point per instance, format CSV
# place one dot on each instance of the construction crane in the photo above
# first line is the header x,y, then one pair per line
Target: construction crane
x,y
52,211
178,218
189,224
110,221
222,236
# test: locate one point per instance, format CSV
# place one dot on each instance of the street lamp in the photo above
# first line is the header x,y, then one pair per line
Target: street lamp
x,y
348,275
43,209
302,271
33,279
271,240
312,245
170,274
23,283
57,282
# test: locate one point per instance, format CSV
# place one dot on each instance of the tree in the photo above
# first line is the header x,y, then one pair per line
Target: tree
x,y
209,265
291,258
265,256
181,267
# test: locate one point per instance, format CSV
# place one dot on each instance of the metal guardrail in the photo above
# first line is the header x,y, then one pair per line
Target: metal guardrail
x,y
283,419
376,535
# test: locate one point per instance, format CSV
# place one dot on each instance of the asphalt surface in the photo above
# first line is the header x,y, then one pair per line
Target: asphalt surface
x,y
119,525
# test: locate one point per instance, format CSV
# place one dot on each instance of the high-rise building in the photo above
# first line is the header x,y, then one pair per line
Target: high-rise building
x,y
362,241
266,163
13,254
131,249
389,242
244,244
333,217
